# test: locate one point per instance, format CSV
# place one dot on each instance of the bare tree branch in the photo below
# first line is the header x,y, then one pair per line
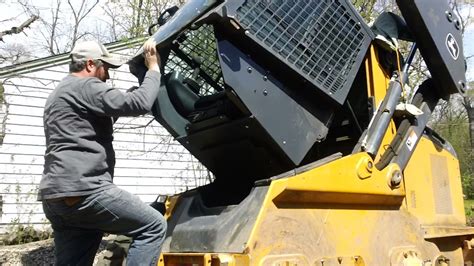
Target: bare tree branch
x,y
14,53
16,30
114,23
79,15
8,19
52,40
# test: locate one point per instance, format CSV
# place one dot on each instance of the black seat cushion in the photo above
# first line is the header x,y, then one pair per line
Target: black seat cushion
x,y
181,95
184,97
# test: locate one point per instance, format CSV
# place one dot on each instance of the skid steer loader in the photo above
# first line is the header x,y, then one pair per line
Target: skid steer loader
x,y
301,112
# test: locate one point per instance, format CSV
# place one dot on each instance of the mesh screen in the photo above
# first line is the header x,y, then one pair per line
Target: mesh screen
x,y
200,43
319,39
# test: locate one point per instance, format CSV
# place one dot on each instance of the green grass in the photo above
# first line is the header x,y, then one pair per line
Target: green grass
x,y
467,208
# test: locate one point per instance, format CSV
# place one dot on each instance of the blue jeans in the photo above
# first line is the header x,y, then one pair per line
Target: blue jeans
x,y
78,229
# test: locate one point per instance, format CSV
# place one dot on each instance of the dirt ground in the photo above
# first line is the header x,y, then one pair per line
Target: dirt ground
x,y
39,253
35,253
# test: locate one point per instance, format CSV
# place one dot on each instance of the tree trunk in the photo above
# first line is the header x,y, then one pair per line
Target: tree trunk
x,y
468,102
470,115
469,105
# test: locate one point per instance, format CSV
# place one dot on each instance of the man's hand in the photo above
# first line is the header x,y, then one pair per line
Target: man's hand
x,y
152,58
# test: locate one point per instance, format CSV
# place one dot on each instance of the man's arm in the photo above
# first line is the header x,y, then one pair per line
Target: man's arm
x,y
112,102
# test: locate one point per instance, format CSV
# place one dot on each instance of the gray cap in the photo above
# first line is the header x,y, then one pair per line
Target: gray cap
x,y
94,50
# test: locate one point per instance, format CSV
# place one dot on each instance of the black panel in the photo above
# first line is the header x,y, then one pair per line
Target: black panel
x,y
239,151
165,113
282,112
437,31
196,227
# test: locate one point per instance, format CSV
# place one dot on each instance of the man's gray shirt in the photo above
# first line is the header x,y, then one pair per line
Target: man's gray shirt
x,y
78,125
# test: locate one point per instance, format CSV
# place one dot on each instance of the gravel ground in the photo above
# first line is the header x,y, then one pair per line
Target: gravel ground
x,y
35,253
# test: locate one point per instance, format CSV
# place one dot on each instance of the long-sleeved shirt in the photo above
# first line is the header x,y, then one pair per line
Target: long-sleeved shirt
x,y
78,125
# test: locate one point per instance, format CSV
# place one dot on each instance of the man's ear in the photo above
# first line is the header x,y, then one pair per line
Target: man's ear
x,y
90,65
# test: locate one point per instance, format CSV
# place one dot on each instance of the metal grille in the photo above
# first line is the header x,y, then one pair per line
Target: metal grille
x,y
320,39
200,43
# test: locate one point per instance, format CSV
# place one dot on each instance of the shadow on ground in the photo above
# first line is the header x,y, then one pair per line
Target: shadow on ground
x,y
39,256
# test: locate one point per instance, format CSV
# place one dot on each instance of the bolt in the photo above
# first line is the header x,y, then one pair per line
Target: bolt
x,y
449,15
265,92
249,69
457,24
370,165
396,179
265,78
364,168
462,86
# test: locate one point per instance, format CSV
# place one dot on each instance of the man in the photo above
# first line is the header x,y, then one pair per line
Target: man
x,y
76,189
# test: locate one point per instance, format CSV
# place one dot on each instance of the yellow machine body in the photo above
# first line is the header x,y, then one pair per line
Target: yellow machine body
x,y
345,211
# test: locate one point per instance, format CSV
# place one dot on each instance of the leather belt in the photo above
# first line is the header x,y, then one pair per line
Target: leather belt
x,y
69,201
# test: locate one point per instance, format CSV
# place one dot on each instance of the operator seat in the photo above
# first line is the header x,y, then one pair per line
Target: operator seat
x,y
184,95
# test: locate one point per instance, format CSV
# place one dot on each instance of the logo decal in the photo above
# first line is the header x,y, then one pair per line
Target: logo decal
x,y
452,46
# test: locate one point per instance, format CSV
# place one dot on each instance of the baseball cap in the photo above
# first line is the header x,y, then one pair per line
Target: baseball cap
x,y
94,50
